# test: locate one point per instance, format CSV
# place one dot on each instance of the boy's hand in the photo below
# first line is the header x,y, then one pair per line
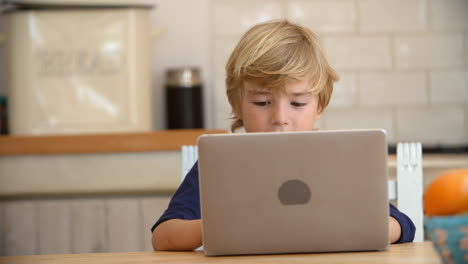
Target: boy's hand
x,y
178,235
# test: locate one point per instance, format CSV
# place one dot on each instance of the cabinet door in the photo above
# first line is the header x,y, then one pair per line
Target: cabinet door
x,y
55,227
20,228
123,224
89,234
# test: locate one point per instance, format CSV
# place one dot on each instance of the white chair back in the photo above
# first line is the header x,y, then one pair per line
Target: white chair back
x,y
409,185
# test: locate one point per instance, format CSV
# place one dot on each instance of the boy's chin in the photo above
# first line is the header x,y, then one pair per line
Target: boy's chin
x,y
277,129
288,130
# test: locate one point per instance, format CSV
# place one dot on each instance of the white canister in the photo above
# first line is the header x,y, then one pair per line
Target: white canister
x,y
79,69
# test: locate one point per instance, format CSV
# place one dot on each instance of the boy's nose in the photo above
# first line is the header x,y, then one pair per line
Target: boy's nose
x,y
280,116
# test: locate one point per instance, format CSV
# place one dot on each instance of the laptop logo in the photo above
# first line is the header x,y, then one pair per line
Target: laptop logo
x,y
294,192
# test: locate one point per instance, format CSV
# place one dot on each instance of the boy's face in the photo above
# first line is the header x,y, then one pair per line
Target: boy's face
x,y
264,110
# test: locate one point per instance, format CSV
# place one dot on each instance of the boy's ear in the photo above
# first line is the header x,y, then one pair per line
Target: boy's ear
x,y
319,113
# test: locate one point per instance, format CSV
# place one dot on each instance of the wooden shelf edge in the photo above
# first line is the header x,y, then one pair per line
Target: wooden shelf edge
x,y
101,143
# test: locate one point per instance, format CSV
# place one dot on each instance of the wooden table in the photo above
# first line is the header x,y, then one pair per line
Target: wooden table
x,y
404,253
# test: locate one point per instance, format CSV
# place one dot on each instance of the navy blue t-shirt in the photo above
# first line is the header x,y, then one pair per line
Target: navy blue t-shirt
x,y
185,204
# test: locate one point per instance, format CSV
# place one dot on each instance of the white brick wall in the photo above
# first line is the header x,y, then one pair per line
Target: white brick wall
x,y
392,88
449,14
223,109
3,88
324,16
345,91
223,47
465,141
185,40
429,51
358,52
466,50
403,64
392,15
403,67
432,125
236,17
399,60
449,87
360,118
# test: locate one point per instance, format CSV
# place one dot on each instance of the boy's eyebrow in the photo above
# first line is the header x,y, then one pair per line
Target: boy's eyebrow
x,y
300,93
266,92
259,92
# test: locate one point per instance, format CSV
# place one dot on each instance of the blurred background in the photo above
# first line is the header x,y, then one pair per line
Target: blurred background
x,y
403,66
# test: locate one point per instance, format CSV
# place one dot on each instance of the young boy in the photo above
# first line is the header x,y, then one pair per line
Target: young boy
x,y
278,79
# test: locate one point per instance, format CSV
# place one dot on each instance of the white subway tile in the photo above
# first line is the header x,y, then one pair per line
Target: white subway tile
x,y
223,121
220,92
433,51
392,15
359,118
449,14
466,49
431,125
392,88
318,124
324,15
223,108
449,87
221,96
344,91
236,17
185,29
3,88
465,141
223,49
362,52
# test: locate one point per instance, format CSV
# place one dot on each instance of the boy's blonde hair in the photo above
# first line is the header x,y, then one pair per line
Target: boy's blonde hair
x,y
274,53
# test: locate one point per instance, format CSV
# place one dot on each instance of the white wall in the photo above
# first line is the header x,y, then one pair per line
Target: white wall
x,y
2,56
403,64
184,39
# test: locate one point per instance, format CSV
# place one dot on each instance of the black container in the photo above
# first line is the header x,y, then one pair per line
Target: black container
x,y
184,104
3,115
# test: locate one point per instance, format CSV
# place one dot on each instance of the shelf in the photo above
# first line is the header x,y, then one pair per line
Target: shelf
x,y
101,143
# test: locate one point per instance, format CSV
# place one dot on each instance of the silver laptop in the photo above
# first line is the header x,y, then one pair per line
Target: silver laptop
x,y
270,193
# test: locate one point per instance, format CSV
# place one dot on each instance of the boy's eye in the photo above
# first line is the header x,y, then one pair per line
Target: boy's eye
x,y
297,104
261,103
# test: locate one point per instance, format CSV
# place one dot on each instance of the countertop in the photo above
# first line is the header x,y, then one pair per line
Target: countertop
x,y
121,163
100,143
414,253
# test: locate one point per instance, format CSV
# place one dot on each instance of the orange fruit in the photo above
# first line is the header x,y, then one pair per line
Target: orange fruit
x,y
447,194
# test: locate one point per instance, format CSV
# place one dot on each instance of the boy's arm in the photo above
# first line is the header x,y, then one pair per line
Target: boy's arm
x,y
394,230
402,229
178,235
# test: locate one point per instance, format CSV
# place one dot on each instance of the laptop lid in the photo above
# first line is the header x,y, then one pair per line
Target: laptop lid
x,y
320,191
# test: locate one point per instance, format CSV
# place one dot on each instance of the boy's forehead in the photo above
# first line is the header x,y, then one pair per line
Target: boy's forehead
x,y
290,87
